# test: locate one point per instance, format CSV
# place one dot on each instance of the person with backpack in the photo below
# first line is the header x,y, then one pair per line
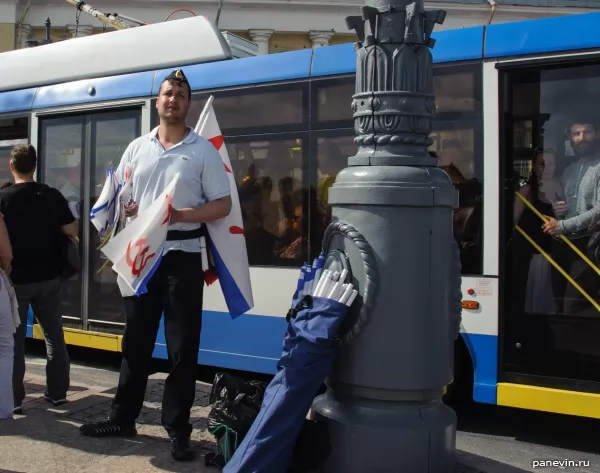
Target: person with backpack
x,y
37,217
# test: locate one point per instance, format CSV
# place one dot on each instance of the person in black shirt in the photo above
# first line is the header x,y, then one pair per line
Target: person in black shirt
x,y
34,214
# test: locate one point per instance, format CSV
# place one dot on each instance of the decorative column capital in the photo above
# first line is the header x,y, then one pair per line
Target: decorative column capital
x,y
320,38
261,38
394,103
23,35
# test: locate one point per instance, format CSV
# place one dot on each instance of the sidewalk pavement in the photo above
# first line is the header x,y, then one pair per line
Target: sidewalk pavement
x,y
46,439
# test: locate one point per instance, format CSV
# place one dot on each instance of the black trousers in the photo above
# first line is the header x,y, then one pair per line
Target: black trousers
x,y
176,288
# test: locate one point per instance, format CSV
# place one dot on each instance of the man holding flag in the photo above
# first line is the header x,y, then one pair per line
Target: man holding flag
x,y
175,288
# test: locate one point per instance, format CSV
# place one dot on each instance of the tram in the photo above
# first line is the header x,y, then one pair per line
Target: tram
x,y
503,91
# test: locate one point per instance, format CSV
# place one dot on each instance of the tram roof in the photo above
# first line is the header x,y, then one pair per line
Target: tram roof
x,y
157,46
136,70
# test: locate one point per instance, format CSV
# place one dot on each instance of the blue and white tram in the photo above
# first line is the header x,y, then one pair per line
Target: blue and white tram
x,y
503,91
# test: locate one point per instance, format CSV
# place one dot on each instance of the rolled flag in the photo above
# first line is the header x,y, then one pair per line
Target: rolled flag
x,y
104,212
125,200
226,236
136,251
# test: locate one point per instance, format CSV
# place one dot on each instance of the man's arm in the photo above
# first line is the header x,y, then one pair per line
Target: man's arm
x,y
126,165
69,225
215,185
582,221
208,212
71,229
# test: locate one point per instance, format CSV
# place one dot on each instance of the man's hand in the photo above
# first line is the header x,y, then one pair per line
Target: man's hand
x,y
131,210
551,227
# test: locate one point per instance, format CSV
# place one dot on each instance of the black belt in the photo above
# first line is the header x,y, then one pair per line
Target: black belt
x,y
174,235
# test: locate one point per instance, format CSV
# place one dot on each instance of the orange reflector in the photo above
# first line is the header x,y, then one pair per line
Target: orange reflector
x,y
470,304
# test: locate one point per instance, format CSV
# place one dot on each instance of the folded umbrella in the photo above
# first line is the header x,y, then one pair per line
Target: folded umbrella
x,y
309,350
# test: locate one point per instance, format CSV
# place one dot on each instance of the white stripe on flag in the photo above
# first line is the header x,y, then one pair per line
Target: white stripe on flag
x,y
228,244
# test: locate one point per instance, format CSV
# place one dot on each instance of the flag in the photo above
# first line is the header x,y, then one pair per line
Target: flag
x,y
103,214
136,251
226,236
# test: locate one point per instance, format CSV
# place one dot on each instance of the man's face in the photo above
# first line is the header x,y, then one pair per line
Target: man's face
x,y
583,139
173,102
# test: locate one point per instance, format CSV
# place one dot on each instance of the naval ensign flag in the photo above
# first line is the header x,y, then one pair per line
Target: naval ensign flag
x,y
227,242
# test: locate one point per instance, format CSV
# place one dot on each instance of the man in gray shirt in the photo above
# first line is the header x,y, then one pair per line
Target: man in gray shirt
x,y
176,288
581,185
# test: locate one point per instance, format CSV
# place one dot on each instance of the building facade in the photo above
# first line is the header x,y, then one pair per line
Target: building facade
x,y
274,25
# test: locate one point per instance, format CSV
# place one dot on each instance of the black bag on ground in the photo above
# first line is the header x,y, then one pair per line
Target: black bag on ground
x,y
236,403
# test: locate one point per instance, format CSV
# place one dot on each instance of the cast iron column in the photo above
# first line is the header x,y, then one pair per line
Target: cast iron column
x,y
392,229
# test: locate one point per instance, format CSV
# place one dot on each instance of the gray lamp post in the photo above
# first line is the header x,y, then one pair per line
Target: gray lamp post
x,y
392,229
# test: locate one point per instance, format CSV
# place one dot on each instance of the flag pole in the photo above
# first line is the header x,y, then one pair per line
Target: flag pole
x,y
204,114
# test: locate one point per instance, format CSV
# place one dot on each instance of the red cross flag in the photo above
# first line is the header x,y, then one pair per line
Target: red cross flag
x,y
226,236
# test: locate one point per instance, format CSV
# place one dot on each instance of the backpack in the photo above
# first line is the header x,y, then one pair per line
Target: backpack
x,y
70,259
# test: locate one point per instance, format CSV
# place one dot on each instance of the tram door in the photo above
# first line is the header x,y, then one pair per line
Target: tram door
x,y
550,324
75,152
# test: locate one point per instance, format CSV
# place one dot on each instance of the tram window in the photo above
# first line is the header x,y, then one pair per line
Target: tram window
x,y
61,151
13,131
459,149
331,102
111,134
257,109
458,143
552,158
62,157
333,151
457,89
14,128
270,178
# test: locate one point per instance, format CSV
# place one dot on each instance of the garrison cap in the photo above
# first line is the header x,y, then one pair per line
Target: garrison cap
x,y
178,76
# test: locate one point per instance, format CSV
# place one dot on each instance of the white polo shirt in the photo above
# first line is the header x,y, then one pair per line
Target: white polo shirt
x,y
203,177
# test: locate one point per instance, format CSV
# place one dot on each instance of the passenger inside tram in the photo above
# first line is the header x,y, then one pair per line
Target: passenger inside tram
x,y
573,217
533,270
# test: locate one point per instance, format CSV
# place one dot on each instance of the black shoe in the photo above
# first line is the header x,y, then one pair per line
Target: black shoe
x,y
17,410
181,450
55,402
108,428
